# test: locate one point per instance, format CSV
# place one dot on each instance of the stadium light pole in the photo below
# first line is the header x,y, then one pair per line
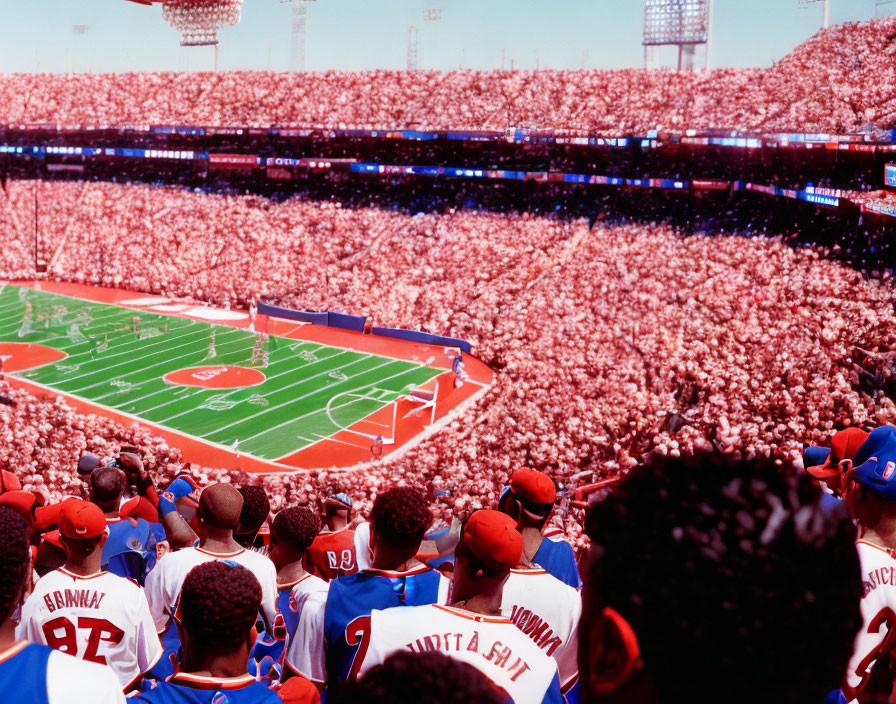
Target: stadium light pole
x,y
826,14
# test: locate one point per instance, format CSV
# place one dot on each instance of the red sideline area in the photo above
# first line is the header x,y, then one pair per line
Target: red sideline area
x,y
339,451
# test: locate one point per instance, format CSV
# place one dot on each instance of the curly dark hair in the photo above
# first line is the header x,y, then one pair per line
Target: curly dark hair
x,y
401,516
219,604
297,527
423,678
256,507
729,572
15,559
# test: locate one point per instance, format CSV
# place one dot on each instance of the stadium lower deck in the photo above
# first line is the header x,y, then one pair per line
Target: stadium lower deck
x,y
302,396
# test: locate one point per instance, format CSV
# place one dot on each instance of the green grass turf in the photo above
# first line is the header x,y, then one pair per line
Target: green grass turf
x,y
109,364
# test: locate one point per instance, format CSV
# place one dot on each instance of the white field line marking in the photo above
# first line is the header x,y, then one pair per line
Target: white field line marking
x,y
318,410
233,391
196,438
166,361
361,420
282,388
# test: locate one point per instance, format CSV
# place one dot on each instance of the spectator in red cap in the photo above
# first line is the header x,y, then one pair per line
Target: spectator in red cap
x,y
85,611
332,554
530,501
844,446
471,629
31,672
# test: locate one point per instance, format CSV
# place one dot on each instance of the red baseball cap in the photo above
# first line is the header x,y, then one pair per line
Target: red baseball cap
x,y
46,516
140,507
534,486
81,519
20,501
493,538
9,482
844,446
53,539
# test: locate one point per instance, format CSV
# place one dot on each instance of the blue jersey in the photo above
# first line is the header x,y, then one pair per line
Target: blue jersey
x,y
184,688
266,657
37,674
557,558
358,594
23,674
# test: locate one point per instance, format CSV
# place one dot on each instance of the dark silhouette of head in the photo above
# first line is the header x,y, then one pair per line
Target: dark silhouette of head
x,y
398,523
292,532
254,513
714,580
15,560
106,488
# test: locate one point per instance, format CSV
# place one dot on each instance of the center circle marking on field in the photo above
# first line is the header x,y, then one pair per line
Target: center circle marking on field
x,y
219,376
18,356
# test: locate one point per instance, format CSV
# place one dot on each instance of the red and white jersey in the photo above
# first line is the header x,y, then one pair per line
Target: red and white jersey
x,y
165,580
878,634
548,611
493,645
305,649
102,618
332,555
363,558
29,674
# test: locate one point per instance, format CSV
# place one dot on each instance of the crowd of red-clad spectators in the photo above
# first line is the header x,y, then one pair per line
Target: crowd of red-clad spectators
x,y
838,81
609,340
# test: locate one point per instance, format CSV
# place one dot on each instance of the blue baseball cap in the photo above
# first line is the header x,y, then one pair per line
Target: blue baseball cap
x,y
874,464
814,455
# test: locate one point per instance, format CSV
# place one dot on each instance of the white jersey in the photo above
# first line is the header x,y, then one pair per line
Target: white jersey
x,y
878,616
494,646
165,580
363,557
66,680
305,650
102,618
548,611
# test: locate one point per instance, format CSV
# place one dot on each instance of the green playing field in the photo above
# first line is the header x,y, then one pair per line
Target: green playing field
x,y
310,392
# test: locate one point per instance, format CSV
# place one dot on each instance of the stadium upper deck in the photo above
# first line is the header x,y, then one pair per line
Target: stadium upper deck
x,y
840,80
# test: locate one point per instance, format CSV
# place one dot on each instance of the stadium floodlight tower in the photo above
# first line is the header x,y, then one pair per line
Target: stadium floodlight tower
x,y
299,32
681,23
826,17
198,21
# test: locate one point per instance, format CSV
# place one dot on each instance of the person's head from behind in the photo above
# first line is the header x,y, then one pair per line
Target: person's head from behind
x,y
870,482
423,678
106,488
218,513
337,509
15,561
530,498
398,522
292,532
489,547
218,607
717,580
82,531
254,513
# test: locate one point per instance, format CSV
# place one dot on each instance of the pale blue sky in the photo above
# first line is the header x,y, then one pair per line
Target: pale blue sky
x,y
366,34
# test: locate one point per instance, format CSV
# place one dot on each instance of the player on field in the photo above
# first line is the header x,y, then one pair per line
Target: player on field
x,y
472,628
217,609
332,554
302,596
712,580
86,612
530,501
398,522
870,492
31,672
217,515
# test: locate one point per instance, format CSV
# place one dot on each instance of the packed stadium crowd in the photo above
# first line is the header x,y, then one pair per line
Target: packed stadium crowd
x,y
838,81
610,340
